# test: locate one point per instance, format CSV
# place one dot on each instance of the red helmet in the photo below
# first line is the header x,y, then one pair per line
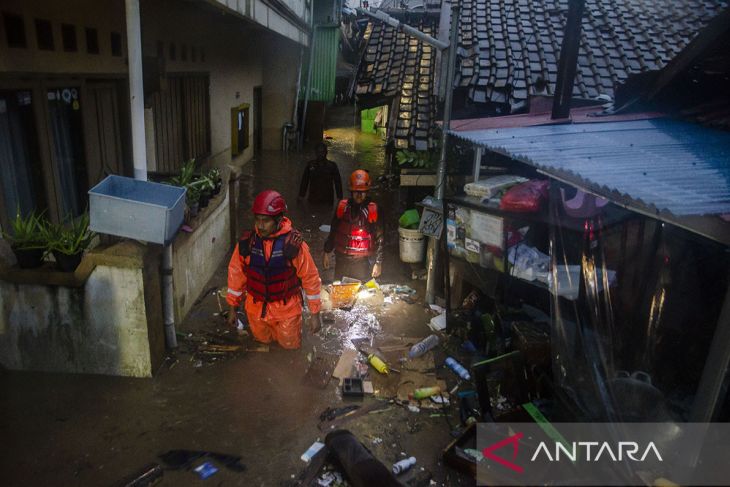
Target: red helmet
x,y
269,202
360,181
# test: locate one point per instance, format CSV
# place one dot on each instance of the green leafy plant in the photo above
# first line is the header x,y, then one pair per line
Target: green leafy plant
x,y
70,239
418,159
192,195
214,175
187,174
27,232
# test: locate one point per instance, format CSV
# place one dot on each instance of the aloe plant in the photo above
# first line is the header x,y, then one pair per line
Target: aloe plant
x,y
71,238
187,173
27,232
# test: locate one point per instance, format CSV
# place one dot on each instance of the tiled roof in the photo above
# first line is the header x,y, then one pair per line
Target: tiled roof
x,y
400,67
509,50
508,46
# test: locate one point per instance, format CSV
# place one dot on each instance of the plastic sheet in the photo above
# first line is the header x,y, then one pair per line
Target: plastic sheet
x,y
633,314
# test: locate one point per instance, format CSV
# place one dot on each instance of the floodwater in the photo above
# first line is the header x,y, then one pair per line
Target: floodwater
x,y
62,429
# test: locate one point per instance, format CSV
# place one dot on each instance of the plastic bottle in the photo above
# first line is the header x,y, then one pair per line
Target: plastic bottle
x,y
378,364
458,368
425,392
423,346
403,465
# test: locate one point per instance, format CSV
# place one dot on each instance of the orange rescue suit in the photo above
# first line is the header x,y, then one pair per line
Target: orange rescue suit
x,y
282,319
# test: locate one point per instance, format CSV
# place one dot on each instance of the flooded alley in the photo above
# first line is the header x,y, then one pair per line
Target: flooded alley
x,y
261,403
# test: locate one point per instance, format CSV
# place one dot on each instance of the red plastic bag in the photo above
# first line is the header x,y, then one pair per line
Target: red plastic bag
x,y
525,197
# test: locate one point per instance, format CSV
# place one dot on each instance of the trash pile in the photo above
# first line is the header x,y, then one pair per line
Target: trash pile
x,y
210,347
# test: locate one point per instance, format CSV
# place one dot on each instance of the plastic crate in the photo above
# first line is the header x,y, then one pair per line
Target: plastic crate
x,y
142,210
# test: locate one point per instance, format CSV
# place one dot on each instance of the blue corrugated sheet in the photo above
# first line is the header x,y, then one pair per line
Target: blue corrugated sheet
x,y
658,165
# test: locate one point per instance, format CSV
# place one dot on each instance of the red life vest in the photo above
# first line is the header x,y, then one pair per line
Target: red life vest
x,y
274,279
352,235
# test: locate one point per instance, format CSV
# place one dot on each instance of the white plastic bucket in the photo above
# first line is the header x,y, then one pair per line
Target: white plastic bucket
x,y
412,245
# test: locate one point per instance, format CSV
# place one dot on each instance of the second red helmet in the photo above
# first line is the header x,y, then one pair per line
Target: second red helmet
x,y
269,202
360,181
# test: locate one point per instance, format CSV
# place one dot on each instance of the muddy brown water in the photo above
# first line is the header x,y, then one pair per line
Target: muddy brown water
x,y
63,429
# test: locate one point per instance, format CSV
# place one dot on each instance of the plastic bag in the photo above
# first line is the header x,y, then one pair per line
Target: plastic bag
x,y
526,197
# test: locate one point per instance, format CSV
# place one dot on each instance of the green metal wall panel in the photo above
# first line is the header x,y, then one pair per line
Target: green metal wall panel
x,y
324,67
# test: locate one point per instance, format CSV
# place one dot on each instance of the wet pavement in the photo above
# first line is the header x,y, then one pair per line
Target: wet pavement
x,y
263,406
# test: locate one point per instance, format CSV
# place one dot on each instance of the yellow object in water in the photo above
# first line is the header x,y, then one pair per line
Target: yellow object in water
x,y
343,295
372,284
378,364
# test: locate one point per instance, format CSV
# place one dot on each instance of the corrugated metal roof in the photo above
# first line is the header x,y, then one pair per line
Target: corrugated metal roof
x,y
658,165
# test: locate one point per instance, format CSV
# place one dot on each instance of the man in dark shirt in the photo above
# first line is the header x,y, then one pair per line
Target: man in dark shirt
x,y
321,176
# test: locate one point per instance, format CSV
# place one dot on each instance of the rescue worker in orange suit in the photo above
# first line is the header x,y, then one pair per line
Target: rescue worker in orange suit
x,y
356,234
268,269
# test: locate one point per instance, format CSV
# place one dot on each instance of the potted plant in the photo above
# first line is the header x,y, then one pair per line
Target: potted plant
x,y
68,242
192,197
214,175
205,187
27,239
186,176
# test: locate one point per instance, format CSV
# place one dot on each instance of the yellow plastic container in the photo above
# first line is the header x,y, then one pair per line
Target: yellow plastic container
x,y
343,295
378,364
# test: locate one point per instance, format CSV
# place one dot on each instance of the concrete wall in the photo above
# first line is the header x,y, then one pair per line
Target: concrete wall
x,y
106,17
111,325
237,55
197,255
233,62
279,88
273,19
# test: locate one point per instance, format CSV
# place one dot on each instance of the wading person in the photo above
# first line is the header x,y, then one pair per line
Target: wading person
x,y
270,266
322,178
356,235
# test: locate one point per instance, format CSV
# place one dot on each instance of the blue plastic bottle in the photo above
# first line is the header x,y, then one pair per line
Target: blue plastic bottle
x,y
423,346
458,368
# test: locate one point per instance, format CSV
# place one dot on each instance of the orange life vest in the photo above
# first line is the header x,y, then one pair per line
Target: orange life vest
x,y
353,233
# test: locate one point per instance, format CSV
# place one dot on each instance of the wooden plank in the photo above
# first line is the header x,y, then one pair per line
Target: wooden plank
x,y
345,364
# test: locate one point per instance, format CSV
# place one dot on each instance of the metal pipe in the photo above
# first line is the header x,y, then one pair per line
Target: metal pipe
x,y
168,306
136,89
433,248
478,150
295,120
412,31
309,86
567,64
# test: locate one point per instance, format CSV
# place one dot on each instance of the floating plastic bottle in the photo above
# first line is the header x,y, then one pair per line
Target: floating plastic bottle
x,y
403,465
378,364
423,346
458,368
425,392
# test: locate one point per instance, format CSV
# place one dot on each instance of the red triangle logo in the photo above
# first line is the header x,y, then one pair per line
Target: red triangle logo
x,y
514,440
